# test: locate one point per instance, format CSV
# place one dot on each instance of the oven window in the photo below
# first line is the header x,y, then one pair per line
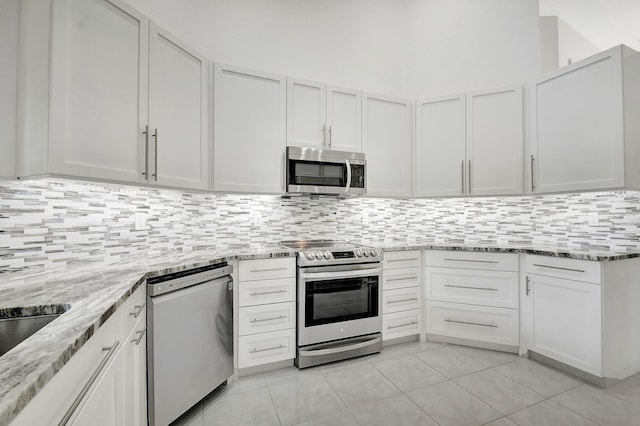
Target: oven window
x,y
340,300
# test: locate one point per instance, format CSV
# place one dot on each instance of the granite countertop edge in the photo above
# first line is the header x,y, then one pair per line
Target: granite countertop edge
x,y
17,392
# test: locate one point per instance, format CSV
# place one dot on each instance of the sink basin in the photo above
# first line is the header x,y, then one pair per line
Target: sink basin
x,y
15,330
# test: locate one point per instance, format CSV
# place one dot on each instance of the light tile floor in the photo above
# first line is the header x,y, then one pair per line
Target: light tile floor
x,y
419,384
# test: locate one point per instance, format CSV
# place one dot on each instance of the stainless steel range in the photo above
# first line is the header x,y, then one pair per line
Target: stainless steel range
x,y
339,302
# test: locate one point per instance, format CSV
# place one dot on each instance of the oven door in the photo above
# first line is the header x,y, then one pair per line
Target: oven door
x,y
338,302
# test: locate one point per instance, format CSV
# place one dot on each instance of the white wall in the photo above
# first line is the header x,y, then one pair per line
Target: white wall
x,y
410,48
561,44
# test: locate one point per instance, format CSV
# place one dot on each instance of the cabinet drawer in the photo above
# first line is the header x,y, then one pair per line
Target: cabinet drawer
x,y
401,299
401,324
573,269
133,309
264,348
266,269
476,287
400,278
493,325
267,291
264,318
471,260
401,259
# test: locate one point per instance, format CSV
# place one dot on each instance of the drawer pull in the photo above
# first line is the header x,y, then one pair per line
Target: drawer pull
x,y
262,293
402,325
138,311
140,334
411,299
471,288
268,319
412,277
402,260
472,323
282,268
471,260
253,351
558,267
76,402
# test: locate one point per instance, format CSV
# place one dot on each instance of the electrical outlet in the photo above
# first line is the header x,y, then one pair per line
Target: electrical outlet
x,y
462,219
365,218
140,222
257,219
594,219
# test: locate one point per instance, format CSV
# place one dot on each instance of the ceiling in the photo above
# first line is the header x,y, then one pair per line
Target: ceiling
x,y
605,23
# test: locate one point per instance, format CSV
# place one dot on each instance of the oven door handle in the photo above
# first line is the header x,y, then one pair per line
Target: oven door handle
x,y
313,276
336,350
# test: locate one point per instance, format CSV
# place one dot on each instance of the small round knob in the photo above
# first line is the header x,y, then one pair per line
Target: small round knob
x,y
318,255
310,255
359,253
366,252
327,255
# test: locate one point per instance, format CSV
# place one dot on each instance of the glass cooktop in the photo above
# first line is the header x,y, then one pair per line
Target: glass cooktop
x,y
315,244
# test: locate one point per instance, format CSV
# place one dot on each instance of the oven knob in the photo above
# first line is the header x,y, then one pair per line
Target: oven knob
x,y
366,252
310,255
319,255
359,253
327,255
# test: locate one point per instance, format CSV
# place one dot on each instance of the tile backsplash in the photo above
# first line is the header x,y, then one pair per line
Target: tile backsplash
x,y
53,223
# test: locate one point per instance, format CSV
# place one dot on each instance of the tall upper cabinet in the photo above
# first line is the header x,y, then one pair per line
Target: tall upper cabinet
x,y
322,116
249,130
585,131
387,141
470,144
9,19
128,102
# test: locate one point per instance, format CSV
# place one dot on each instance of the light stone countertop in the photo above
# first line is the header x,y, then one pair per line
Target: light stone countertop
x,y
91,293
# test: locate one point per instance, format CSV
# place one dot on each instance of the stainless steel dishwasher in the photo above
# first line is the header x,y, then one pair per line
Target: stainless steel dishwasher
x,y
190,340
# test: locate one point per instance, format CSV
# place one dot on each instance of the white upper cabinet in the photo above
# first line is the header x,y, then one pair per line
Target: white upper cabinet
x,y
585,130
387,130
9,20
440,146
495,141
249,130
321,116
470,144
178,138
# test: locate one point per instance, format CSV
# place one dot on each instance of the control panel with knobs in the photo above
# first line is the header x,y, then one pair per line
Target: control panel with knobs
x,y
342,256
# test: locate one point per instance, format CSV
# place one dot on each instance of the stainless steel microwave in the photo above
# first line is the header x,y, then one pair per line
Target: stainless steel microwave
x,y
321,171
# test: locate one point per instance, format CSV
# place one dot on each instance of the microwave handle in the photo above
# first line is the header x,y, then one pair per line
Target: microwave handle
x,y
346,189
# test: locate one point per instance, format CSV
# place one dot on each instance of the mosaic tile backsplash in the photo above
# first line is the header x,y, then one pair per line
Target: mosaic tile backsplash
x,y
54,223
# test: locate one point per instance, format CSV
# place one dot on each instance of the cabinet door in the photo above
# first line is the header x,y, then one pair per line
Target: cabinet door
x,y
388,144
105,402
564,321
135,375
99,76
440,146
249,130
495,142
178,148
9,19
577,126
344,118
306,114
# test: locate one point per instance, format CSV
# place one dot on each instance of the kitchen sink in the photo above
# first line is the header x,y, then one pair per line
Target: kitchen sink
x,y
15,330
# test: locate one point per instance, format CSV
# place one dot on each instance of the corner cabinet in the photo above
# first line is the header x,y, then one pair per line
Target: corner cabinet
x,y
249,130
129,102
387,141
323,116
9,30
470,144
585,133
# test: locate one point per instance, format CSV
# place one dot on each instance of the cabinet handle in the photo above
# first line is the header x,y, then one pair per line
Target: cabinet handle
x,y
472,323
560,268
330,132
138,311
469,178
413,277
324,134
140,334
401,260
146,151
253,351
528,289
472,288
411,299
282,268
471,260
402,325
76,402
155,174
268,319
533,185
255,293
462,169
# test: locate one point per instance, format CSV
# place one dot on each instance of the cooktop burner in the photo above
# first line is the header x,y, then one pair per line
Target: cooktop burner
x,y
332,252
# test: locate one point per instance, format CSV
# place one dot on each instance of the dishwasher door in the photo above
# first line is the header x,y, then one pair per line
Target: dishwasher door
x,y
190,348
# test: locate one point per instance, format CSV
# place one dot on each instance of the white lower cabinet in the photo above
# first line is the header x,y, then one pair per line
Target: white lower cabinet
x,y
473,298
104,382
401,294
266,311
